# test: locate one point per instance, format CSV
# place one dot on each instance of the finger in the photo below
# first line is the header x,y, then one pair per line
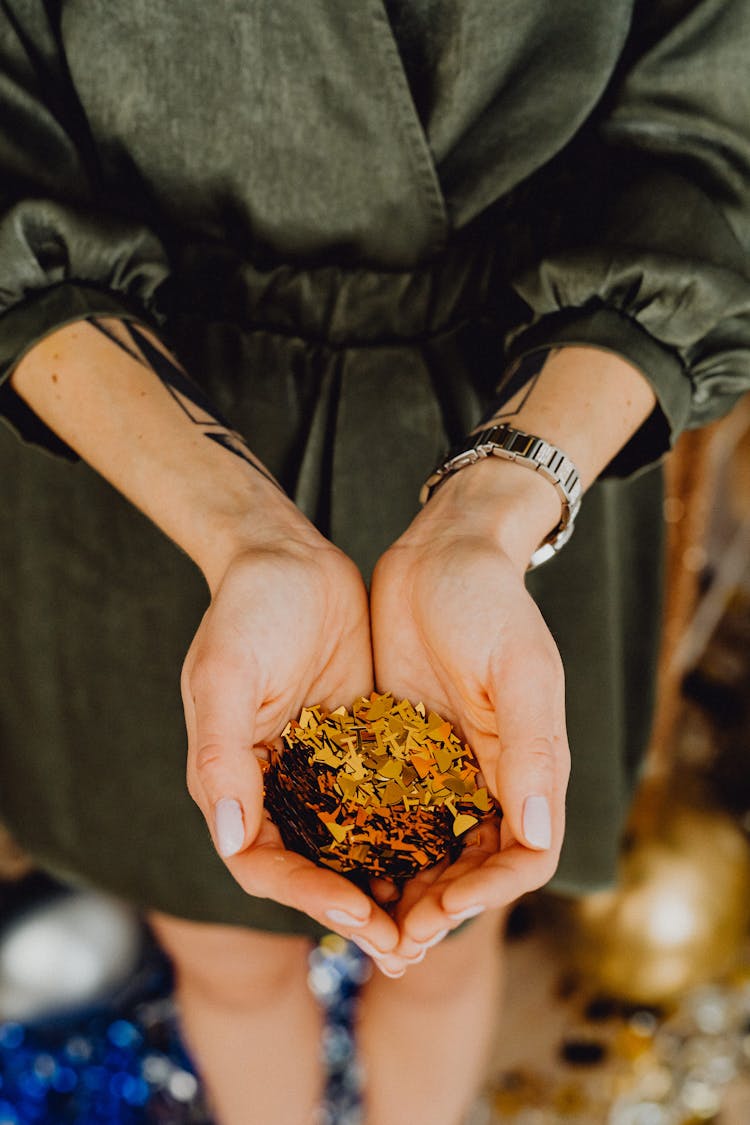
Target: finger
x,y
511,871
427,921
412,892
524,780
268,870
224,776
533,755
384,890
260,864
499,881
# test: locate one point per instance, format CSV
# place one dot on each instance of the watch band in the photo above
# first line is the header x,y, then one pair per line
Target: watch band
x,y
501,440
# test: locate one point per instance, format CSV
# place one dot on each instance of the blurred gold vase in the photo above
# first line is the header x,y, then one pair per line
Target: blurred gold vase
x,y
679,914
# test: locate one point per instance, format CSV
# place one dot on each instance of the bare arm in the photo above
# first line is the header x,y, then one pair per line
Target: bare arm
x,y
586,401
113,393
110,389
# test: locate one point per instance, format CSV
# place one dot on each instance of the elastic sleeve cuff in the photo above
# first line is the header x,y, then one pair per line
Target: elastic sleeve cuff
x,y
662,368
25,324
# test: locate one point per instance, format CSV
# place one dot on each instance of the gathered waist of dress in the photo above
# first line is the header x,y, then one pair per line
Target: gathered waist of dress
x,y
336,303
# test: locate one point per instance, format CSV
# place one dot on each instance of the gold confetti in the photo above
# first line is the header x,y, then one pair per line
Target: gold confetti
x,y
338,831
482,800
463,823
381,788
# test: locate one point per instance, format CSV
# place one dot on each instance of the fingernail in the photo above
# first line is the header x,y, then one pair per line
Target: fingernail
x,y
436,939
537,824
365,946
470,912
419,957
389,966
230,829
341,918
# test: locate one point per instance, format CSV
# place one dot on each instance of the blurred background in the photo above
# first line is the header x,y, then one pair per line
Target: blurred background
x,y
628,1007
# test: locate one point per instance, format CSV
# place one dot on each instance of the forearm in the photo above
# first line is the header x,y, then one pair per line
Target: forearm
x,y
586,401
114,394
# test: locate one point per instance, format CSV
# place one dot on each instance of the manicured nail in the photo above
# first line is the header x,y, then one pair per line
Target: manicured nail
x,y
470,912
419,957
537,824
365,946
230,829
436,939
389,966
388,973
341,918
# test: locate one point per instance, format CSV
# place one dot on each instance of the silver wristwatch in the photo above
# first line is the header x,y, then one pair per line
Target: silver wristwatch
x,y
527,449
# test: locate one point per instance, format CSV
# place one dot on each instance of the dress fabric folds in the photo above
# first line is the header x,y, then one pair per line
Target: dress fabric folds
x,y
346,220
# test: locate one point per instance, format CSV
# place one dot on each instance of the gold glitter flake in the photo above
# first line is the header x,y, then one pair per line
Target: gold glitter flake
x,y
463,823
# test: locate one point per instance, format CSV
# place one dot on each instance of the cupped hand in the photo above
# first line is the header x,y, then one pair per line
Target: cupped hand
x,y
454,626
287,626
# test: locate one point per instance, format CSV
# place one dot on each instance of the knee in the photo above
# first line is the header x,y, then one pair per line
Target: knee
x,y
231,966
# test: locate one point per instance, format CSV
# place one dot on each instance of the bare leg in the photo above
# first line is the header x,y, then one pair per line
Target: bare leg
x,y
249,1019
425,1038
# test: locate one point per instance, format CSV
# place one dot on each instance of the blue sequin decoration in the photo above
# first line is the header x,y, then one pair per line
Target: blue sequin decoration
x,y
112,1064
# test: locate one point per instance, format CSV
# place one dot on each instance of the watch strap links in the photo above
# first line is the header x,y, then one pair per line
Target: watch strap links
x,y
502,440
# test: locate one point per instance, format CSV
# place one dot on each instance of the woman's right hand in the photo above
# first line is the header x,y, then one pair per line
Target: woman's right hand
x,y
288,626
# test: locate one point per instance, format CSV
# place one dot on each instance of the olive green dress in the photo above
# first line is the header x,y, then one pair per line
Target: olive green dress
x,y
346,217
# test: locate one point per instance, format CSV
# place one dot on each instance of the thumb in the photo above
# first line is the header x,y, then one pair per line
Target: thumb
x,y
224,775
532,757
525,784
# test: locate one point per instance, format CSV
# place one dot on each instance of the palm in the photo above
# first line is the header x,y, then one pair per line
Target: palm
x,y
306,642
284,630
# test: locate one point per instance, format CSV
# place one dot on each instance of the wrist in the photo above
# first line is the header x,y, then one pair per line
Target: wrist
x,y
496,499
259,519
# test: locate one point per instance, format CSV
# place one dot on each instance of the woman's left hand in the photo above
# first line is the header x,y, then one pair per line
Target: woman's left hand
x,y
454,626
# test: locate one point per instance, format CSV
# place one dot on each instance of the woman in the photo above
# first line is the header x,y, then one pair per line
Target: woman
x,y
344,223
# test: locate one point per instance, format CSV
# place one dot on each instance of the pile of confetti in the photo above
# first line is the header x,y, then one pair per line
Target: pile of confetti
x,y
381,789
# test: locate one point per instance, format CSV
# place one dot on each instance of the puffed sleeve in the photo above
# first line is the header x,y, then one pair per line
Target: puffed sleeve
x,y
648,252
63,254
